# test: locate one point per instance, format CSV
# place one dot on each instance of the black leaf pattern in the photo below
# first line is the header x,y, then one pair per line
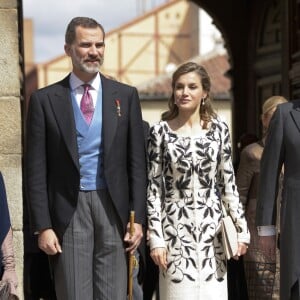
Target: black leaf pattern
x,y
187,179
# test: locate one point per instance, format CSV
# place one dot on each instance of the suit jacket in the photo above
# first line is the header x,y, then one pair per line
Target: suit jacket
x,y
52,165
283,148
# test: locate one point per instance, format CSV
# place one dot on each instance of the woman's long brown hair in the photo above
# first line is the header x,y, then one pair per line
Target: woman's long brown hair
x,y
206,111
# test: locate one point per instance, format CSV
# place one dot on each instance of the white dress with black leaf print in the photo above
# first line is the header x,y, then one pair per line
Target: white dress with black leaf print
x,y
188,179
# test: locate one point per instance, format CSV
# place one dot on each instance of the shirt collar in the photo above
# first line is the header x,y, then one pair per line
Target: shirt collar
x,y
76,83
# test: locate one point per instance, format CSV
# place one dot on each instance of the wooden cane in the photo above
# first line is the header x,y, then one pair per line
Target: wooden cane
x,y
131,258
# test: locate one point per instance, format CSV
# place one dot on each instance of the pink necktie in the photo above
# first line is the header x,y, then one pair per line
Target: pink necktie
x,y
86,104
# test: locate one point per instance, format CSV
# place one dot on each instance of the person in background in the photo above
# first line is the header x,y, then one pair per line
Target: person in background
x,y
7,259
190,177
282,150
245,140
237,287
85,169
261,274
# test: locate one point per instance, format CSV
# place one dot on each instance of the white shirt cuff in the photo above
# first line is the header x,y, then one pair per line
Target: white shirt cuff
x,y
267,230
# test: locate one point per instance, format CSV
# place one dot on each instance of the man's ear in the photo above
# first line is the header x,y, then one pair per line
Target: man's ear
x,y
67,49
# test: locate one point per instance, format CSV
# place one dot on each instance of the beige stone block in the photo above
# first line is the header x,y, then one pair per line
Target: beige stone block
x,y
10,126
9,54
11,169
8,4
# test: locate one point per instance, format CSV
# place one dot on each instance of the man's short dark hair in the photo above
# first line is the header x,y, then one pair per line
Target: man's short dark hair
x,y
83,22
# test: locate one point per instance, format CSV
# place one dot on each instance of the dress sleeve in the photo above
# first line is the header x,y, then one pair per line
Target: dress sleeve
x,y
155,186
228,188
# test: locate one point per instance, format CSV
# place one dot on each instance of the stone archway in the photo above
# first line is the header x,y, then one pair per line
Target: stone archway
x,y
258,51
267,61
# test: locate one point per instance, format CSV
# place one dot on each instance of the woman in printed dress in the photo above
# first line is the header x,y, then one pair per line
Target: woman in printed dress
x,y
190,177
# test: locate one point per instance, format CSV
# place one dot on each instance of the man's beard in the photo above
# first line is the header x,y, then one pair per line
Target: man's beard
x,y
84,65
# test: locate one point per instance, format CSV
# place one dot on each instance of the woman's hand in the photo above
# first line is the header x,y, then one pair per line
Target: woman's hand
x,y
242,249
159,256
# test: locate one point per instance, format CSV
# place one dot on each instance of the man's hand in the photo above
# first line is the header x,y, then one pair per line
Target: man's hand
x,y
159,256
134,241
48,242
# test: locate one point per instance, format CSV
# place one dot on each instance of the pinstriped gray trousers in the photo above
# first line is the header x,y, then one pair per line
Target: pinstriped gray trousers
x,y
92,265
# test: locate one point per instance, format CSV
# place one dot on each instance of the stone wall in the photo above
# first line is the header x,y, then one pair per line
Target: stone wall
x,y
11,123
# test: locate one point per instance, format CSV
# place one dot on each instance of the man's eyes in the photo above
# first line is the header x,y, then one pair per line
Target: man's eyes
x,y
87,45
100,45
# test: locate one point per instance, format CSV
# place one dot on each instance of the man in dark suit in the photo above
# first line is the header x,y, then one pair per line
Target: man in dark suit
x,y
282,148
85,169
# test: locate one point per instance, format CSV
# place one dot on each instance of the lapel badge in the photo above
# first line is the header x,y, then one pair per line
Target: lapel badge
x,y
118,107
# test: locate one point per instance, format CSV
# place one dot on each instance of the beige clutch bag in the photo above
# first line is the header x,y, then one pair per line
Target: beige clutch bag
x,y
229,237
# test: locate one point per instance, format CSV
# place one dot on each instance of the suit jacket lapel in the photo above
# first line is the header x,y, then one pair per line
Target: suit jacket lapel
x,y
109,114
62,107
296,116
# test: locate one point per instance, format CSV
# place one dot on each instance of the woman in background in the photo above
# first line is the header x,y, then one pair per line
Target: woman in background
x,y
190,177
7,261
260,270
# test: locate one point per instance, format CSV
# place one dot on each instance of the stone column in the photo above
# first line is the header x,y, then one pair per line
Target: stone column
x,y
11,124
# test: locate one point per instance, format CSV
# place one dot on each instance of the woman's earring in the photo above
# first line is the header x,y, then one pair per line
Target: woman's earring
x,y
202,101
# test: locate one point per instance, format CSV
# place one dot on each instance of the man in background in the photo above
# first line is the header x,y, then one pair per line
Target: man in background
x,y
282,149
